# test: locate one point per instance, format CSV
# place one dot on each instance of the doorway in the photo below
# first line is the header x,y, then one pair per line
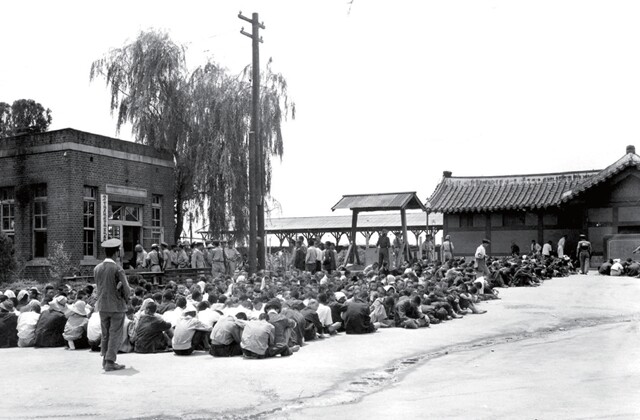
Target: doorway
x,y
130,238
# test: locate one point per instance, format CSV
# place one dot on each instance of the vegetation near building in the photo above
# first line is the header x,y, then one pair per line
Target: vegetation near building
x,y
202,117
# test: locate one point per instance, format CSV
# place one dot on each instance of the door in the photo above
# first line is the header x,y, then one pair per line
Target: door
x,y
130,238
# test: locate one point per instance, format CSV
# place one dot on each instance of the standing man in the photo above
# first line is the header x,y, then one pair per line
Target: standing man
x,y
232,256
311,257
536,248
183,258
398,250
447,249
547,249
217,259
481,258
383,245
584,253
166,256
561,244
111,302
428,249
197,257
155,262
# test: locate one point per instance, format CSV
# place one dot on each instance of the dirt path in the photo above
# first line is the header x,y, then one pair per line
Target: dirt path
x,y
572,337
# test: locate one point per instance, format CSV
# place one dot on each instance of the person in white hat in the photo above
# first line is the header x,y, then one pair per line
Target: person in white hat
x,y
75,330
112,296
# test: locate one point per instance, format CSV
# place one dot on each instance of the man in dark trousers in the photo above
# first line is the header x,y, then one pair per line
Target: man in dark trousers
x,y
111,302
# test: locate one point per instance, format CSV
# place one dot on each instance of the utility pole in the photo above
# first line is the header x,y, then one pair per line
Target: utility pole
x,y
256,150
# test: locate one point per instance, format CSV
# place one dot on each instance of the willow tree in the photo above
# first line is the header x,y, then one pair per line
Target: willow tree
x,y
202,117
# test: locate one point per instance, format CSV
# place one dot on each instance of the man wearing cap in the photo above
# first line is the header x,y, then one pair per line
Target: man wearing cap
x,y
481,258
140,256
447,249
584,253
183,258
155,259
232,256
217,259
383,246
111,301
197,257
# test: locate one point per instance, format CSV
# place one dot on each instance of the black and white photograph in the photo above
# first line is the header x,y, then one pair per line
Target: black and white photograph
x,y
312,209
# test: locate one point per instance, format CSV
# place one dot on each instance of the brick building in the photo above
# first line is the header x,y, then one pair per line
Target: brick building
x,y
603,204
81,188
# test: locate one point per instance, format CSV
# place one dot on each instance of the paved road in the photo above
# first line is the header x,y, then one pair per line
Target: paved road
x,y
568,349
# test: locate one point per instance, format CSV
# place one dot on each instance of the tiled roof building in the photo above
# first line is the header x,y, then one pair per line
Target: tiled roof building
x,y
603,204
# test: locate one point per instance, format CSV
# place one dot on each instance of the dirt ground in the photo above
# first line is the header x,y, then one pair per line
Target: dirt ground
x,y
567,349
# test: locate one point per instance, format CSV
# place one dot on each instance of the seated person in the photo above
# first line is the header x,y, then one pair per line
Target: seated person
x,y
94,331
467,300
190,333
151,335
617,269
408,313
226,336
8,325
605,268
51,324
313,327
27,324
378,312
325,316
633,268
75,330
356,315
167,303
283,325
206,315
338,307
258,340
296,337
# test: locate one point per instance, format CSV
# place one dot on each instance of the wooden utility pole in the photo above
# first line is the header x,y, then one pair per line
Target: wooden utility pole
x,y
256,150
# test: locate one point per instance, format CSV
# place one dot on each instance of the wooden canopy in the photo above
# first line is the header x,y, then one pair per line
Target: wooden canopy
x,y
380,202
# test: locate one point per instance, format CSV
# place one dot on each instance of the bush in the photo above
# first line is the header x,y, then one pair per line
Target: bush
x,y
60,261
8,261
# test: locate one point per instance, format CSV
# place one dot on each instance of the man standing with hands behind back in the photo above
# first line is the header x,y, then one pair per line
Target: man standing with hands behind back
x,y
112,295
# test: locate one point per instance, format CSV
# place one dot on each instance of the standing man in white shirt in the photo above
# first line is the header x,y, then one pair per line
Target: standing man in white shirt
x,y
481,258
561,244
546,250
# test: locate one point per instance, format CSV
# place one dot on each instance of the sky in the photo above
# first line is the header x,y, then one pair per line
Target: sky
x,y
389,94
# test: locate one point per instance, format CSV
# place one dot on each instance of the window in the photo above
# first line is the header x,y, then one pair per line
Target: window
x,y
89,223
156,211
515,219
7,211
125,213
40,221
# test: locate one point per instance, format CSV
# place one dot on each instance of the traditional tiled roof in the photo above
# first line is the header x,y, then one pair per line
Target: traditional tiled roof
x,y
627,161
385,201
520,192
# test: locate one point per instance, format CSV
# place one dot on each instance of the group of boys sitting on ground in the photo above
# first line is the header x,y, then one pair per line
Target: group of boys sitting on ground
x,y
267,314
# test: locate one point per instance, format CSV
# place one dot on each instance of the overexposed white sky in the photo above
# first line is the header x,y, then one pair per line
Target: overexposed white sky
x,y
388,95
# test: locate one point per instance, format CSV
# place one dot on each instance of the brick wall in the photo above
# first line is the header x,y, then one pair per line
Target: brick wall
x,y
65,173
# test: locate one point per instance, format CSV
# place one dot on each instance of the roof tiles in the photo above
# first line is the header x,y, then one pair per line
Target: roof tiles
x,y
520,192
